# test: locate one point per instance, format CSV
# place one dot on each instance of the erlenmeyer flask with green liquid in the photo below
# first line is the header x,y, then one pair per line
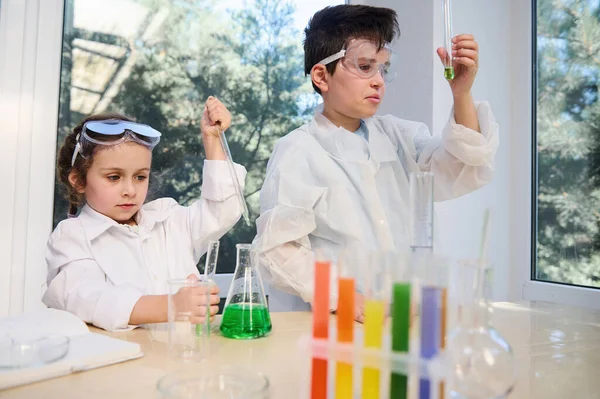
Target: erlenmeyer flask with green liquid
x,y
246,315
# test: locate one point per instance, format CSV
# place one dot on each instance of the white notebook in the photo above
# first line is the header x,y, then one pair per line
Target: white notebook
x,y
86,350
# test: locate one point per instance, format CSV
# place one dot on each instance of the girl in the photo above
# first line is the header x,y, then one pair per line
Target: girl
x,y
110,264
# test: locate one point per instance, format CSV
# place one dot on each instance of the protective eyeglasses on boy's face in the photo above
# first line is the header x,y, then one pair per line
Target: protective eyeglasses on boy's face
x,y
365,59
113,132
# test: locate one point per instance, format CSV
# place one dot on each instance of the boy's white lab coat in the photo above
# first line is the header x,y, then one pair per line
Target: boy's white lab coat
x,y
328,188
98,269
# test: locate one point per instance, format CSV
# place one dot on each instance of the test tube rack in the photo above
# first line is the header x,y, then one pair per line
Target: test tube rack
x,y
385,360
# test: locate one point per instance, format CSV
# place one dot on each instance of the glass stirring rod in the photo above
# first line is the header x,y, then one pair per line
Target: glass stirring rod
x,y
448,66
236,182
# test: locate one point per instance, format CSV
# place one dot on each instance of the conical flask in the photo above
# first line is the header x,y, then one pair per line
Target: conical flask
x,y
246,315
481,360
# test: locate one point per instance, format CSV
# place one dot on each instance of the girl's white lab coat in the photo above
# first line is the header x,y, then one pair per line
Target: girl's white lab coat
x,y
98,269
329,188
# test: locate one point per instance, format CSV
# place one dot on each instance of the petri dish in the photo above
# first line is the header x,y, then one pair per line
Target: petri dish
x,y
31,351
214,384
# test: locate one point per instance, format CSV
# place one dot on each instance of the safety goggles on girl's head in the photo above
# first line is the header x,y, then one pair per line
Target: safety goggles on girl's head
x,y
113,132
364,59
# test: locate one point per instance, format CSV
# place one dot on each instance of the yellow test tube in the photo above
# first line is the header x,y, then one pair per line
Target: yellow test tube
x,y
376,280
374,319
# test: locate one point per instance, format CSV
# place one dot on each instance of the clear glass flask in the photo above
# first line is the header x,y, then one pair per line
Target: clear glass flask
x,y
481,362
246,314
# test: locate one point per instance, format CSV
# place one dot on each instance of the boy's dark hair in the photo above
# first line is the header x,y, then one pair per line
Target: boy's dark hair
x,y
330,29
81,165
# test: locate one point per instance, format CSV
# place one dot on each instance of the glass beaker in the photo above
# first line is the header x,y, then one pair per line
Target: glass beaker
x,y
481,361
246,315
188,316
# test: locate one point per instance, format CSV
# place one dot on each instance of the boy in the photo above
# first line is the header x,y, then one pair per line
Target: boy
x,y
341,181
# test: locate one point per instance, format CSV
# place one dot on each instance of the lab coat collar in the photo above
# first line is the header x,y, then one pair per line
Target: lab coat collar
x,y
95,223
382,149
337,141
343,144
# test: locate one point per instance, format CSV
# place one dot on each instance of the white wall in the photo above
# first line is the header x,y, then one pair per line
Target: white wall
x,y
410,95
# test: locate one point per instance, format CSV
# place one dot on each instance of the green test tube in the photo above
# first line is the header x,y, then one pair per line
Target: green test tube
x,y
400,334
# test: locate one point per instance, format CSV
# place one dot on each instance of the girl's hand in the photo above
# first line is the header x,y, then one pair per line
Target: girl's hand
x,y
465,52
194,300
215,119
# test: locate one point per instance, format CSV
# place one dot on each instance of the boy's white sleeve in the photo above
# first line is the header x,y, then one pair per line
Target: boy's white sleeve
x,y
461,159
78,285
218,208
288,197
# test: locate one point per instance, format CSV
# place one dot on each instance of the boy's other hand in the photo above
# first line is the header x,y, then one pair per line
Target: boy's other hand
x,y
465,52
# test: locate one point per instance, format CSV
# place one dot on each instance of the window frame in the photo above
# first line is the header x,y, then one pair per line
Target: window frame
x,y
533,289
30,42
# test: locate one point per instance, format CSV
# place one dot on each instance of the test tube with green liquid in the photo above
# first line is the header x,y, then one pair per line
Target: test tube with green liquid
x,y
448,65
401,313
400,334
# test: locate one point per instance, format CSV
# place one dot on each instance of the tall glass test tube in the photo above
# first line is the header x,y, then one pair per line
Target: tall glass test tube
x,y
448,65
421,212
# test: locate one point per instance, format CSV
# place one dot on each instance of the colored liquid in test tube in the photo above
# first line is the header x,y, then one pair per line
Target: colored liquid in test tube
x,y
320,327
401,311
443,331
431,330
345,334
448,64
376,289
374,319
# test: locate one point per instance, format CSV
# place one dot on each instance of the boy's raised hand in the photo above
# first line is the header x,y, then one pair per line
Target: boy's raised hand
x,y
466,61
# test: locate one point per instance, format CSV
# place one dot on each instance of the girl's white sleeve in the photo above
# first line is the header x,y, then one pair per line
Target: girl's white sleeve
x,y
78,285
217,210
